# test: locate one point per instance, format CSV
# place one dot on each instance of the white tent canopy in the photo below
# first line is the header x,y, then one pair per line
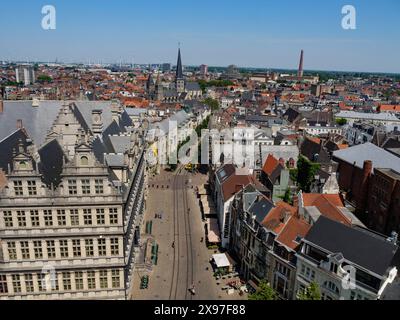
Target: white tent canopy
x,y
221,260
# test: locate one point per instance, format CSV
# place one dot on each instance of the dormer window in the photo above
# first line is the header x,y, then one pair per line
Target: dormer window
x,y
334,267
84,161
22,165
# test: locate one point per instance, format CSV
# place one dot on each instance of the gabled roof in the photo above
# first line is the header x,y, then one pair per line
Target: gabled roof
x,y
329,205
9,144
234,184
270,165
358,154
360,246
261,208
293,231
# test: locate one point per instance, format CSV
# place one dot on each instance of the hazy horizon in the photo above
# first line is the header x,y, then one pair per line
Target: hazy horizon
x,y
253,34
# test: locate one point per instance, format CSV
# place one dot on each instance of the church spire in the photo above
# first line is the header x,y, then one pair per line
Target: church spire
x,y
179,70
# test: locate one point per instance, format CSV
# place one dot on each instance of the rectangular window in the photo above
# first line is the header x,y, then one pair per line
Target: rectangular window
x,y
98,185
89,247
76,248
113,216
91,280
35,218
21,218
8,220
29,283
72,189
103,279
102,247
48,218
18,188
64,248
61,218
85,186
66,278
32,188
115,278
79,280
51,249
74,217
16,283
37,248
87,217
3,284
25,250
100,217
12,250
114,246
40,281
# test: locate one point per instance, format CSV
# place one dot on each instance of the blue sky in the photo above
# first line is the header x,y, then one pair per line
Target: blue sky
x,y
254,33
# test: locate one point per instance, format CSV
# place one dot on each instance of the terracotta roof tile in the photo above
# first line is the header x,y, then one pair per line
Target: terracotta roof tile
x,y
328,205
270,164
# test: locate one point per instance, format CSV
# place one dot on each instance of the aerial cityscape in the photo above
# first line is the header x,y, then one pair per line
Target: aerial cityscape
x,y
183,171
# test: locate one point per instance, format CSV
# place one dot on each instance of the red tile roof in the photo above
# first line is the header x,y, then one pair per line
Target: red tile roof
x,y
328,205
270,164
234,184
295,227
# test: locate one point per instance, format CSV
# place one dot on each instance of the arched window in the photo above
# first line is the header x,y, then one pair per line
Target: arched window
x,y
84,161
22,165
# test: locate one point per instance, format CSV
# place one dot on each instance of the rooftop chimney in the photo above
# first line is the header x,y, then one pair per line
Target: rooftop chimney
x,y
19,124
35,102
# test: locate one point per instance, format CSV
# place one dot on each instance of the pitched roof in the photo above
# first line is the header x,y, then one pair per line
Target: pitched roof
x,y
273,221
360,246
328,204
270,164
358,154
261,208
234,184
294,230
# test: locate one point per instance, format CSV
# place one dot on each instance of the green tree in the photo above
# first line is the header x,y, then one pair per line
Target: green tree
x,y
44,78
341,121
306,171
265,292
313,292
212,103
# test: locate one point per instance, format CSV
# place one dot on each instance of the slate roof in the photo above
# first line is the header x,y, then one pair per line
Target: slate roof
x,y
38,120
310,149
360,246
9,144
291,114
260,209
192,86
51,162
358,154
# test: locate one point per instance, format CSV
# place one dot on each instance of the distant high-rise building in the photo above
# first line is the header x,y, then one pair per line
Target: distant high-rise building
x,y
25,74
166,67
300,72
203,69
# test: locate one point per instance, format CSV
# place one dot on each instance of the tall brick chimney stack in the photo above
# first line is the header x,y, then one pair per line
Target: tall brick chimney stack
x,y
364,187
300,72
